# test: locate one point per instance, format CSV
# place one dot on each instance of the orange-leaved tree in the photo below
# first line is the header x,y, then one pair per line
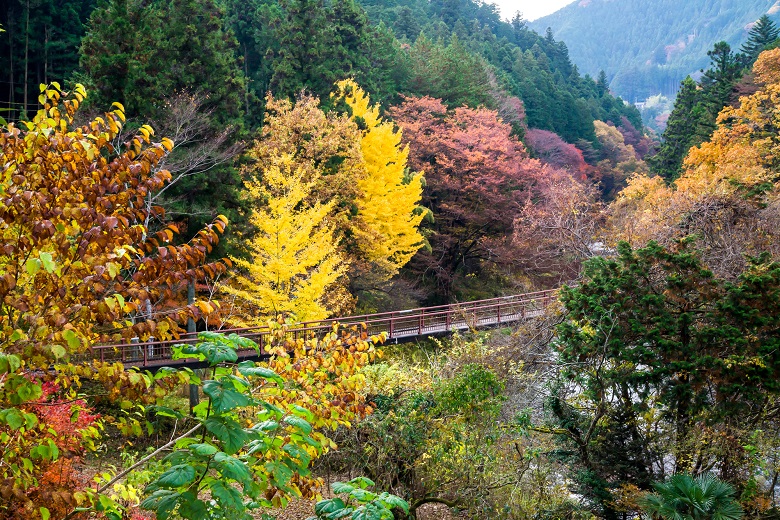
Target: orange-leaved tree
x,y
727,194
77,263
78,266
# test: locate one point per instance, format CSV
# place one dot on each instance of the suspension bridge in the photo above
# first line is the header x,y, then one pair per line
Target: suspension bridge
x,y
400,326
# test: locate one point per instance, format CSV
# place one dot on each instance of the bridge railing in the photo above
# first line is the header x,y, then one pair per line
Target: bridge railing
x,y
397,324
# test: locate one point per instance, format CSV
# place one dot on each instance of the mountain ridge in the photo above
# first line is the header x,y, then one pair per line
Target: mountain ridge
x,y
669,39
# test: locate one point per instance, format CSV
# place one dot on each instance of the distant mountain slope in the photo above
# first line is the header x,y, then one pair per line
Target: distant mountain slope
x,y
649,46
507,55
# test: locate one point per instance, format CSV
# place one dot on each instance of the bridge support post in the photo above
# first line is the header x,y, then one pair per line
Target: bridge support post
x,y
194,396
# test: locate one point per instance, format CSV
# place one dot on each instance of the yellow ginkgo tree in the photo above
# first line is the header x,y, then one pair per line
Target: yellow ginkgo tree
x,y
388,205
293,254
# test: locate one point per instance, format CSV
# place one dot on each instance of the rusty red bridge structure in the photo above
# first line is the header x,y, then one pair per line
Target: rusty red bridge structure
x,y
400,326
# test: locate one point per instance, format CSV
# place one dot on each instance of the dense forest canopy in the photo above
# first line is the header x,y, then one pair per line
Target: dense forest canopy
x,y
481,57
158,59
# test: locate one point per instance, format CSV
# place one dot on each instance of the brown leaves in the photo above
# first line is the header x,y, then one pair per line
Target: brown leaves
x,y
75,250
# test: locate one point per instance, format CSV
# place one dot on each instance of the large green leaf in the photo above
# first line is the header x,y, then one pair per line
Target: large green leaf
x,y
186,352
224,397
249,368
72,338
300,411
242,342
32,266
12,417
192,508
362,495
217,353
331,506
266,426
299,423
162,502
229,432
176,476
231,467
228,497
205,450
233,340
9,363
394,501
48,262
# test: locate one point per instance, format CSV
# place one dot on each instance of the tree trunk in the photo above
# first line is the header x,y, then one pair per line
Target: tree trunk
x,y
10,63
26,54
194,389
46,55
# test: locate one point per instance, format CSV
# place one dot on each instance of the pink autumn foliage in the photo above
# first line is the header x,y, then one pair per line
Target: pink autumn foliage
x,y
641,143
553,150
479,177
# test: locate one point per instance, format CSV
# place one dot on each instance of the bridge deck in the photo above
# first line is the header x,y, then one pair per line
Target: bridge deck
x,y
400,326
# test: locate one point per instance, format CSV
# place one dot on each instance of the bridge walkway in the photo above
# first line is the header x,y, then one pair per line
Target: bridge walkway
x,y
400,326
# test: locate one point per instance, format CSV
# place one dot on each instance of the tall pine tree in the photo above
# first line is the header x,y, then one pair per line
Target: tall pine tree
x,y
303,50
678,136
141,54
761,34
40,44
175,63
695,111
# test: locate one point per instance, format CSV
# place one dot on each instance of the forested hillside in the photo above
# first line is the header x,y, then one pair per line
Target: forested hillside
x,y
308,260
478,59
647,48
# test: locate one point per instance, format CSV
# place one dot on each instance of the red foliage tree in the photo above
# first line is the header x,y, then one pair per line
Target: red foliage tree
x,y
478,176
553,150
641,143
69,429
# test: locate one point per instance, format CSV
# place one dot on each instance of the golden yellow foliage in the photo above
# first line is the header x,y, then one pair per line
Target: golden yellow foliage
x,y
294,258
324,146
612,143
721,168
353,192
744,147
639,212
388,202
766,67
